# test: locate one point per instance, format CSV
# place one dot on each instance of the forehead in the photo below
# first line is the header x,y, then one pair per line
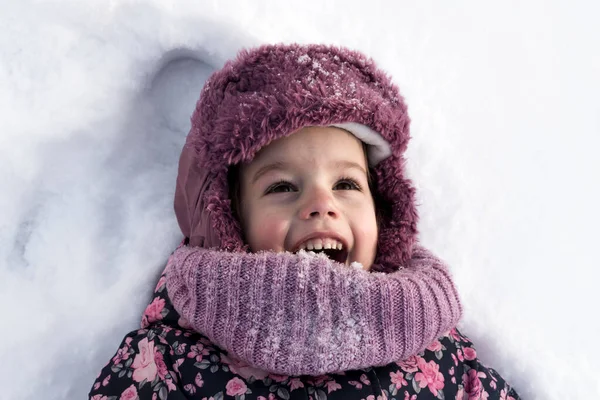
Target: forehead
x,y
313,145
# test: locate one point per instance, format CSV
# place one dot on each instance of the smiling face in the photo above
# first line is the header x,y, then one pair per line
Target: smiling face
x,y
310,190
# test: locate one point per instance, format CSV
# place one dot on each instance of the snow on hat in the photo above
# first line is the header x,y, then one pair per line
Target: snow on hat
x,y
270,92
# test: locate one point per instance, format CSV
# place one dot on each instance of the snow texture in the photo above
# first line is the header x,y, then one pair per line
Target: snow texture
x,y
95,99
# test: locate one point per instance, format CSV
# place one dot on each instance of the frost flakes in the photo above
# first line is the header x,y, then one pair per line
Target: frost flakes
x,y
316,65
356,265
303,59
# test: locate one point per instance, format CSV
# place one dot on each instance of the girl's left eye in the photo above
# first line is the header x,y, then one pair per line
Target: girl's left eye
x,y
347,184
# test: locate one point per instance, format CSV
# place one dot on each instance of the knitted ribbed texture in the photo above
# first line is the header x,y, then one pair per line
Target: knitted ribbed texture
x,y
303,314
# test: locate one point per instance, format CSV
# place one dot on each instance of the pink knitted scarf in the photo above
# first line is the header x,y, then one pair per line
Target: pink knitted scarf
x,y
303,314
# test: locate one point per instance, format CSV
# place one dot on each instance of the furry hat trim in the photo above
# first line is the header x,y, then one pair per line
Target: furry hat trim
x,y
270,92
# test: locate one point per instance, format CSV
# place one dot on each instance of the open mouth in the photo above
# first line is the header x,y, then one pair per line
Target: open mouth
x,y
333,254
332,248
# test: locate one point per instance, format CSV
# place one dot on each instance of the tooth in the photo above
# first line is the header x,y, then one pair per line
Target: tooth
x,y
320,244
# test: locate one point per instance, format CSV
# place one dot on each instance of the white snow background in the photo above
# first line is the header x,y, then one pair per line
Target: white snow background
x,y
95,99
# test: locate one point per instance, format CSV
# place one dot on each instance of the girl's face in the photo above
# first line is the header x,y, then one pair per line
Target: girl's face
x,y
310,191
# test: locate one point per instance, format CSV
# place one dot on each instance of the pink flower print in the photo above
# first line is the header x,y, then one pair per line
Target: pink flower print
x,y
470,353
173,376
493,385
504,395
364,379
317,380
410,364
236,387
473,386
191,389
170,385
176,365
453,380
160,364
242,369
451,371
154,309
356,384
435,346
332,386
160,283
198,381
295,383
99,397
197,351
460,355
454,359
184,323
122,354
409,397
105,381
129,394
278,378
455,335
430,376
460,395
372,397
96,385
143,363
180,349
398,379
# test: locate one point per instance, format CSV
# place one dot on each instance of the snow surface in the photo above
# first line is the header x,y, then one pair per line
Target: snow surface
x,y
95,98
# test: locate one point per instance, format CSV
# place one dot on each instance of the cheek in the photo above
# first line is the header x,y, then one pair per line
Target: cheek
x,y
365,235
265,231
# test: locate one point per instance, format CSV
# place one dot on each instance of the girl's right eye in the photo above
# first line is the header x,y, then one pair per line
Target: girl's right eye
x,y
280,187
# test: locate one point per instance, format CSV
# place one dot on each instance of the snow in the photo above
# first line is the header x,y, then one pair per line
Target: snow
x,y
95,99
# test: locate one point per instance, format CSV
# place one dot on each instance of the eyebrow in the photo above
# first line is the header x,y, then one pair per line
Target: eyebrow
x,y
282,165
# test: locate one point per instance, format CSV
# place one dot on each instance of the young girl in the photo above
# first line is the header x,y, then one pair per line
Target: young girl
x,y
300,275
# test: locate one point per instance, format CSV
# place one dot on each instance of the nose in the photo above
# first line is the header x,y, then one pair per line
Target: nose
x,y
319,203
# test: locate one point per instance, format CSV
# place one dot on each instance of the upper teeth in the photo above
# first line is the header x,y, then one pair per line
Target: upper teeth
x,y
320,244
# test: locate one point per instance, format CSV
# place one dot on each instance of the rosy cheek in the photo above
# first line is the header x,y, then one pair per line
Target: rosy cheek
x,y
365,236
267,232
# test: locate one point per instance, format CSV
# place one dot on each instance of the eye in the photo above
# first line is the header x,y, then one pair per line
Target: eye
x,y
347,184
280,187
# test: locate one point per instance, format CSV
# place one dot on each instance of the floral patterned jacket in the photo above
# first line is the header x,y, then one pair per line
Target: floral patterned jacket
x,y
166,360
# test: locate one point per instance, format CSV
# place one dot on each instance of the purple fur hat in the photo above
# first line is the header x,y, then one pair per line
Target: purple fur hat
x,y
272,91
